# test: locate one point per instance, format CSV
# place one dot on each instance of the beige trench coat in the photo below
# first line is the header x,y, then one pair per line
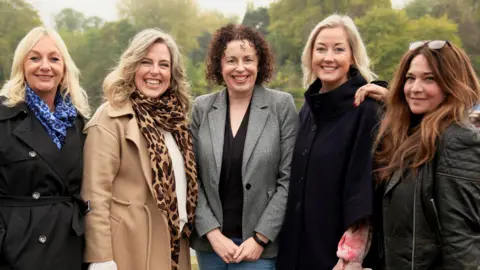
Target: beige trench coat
x,y
125,224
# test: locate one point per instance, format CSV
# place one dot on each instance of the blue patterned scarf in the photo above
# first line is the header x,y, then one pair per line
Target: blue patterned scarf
x,y
55,123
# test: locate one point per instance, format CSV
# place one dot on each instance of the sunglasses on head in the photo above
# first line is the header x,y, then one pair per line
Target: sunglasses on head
x,y
432,44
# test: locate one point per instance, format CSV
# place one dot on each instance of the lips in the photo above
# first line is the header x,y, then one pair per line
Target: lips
x,y
152,82
328,68
240,78
44,77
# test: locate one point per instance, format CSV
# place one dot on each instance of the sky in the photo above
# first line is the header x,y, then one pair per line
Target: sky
x,y
106,9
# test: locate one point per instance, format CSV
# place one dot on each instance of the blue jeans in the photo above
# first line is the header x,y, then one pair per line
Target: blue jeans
x,y
211,261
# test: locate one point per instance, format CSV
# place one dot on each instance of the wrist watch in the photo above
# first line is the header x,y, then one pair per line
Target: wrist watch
x,y
259,241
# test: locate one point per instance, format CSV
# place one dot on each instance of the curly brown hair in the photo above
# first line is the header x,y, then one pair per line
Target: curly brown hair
x,y
232,32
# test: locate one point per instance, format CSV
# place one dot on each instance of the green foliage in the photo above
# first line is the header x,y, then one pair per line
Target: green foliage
x,y
96,45
17,18
387,34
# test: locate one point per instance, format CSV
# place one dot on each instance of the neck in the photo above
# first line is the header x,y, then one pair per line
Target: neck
x,y
238,98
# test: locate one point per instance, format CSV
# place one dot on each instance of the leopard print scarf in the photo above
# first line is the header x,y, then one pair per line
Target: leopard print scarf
x,y
167,113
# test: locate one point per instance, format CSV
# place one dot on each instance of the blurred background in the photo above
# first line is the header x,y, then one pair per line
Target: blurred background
x,y
97,31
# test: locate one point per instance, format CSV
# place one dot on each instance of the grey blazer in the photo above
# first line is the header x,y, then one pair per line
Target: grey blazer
x,y
269,143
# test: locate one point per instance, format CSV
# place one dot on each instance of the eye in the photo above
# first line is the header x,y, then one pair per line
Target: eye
x,y
339,50
230,61
430,79
145,62
34,58
321,49
409,78
166,65
54,59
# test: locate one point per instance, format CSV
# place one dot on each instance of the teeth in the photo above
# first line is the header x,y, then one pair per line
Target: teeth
x,y
152,82
329,68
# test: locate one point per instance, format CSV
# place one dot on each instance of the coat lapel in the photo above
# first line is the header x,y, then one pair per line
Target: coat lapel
x,y
216,121
393,181
32,133
133,134
256,124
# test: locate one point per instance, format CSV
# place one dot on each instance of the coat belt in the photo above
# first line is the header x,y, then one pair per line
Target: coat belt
x,y
78,225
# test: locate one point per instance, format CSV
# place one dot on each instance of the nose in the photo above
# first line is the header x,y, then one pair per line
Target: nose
x,y
328,56
44,65
240,66
416,86
155,69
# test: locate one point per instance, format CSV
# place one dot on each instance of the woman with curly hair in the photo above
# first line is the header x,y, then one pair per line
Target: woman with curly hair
x,y
243,137
428,154
140,171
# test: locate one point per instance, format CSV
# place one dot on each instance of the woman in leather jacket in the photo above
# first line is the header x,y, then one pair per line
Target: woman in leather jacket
x,y
428,154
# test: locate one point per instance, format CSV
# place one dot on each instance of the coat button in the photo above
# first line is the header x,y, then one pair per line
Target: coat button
x,y
297,206
300,179
314,128
42,239
36,195
248,186
32,154
305,152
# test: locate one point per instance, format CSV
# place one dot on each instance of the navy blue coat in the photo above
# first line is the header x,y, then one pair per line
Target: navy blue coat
x,y
331,183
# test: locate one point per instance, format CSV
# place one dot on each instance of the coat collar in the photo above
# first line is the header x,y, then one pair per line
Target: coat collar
x,y
123,109
256,123
11,112
332,103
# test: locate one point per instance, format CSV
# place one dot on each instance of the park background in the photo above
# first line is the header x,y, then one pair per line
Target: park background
x,y
97,31
96,41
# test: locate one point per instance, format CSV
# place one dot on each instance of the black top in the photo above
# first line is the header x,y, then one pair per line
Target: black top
x,y
231,185
331,185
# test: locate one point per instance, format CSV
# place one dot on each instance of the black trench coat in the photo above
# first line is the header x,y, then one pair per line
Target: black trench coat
x,y
41,212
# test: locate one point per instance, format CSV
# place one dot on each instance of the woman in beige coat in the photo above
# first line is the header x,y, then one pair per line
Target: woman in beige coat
x,y
140,172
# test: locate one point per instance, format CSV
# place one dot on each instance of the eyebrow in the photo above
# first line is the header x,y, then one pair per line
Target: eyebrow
x,y
424,73
336,44
161,60
50,53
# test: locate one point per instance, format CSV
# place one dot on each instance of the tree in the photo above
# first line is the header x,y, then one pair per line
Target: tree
x,y
257,19
70,20
387,34
17,19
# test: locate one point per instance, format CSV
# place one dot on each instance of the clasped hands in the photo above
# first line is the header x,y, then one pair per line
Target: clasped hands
x,y
249,250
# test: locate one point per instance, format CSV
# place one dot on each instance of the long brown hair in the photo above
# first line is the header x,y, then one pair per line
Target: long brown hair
x,y
397,145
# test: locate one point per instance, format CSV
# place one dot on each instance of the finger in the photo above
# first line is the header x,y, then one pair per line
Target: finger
x,y
238,252
225,259
242,256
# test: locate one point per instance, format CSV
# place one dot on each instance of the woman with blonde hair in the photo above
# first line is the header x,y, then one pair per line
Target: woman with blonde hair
x,y
331,190
428,154
42,114
140,170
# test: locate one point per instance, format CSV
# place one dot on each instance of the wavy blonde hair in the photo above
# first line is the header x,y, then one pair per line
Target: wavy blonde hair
x,y
398,146
359,52
14,89
120,83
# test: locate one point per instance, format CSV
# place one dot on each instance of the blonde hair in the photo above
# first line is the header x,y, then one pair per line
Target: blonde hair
x,y
120,83
359,52
14,89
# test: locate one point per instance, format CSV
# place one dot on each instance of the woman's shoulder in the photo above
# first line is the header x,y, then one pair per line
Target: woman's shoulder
x,y
109,116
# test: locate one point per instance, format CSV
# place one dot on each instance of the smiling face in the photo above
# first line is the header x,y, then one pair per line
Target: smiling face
x,y
421,90
240,66
332,57
153,75
44,67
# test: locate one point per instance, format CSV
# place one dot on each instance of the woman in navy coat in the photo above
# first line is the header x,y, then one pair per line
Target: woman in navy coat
x,y
331,187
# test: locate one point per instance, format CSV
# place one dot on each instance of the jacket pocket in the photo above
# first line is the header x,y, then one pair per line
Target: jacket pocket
x,y
115,217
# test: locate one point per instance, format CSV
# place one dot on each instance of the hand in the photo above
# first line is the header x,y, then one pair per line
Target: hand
x,y
223,246
249,250
371,90
345,265
110,265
